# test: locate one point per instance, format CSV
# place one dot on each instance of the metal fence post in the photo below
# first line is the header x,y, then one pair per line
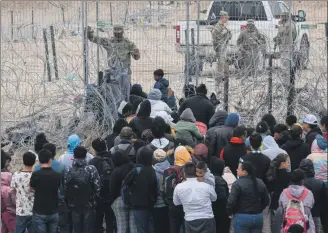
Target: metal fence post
x,y
226,93
12,24
187,43
197,50
270,83
32,27
45,40
97,20
52,37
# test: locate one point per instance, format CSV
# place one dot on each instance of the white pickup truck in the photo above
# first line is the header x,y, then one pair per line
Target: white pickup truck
x,y
266,15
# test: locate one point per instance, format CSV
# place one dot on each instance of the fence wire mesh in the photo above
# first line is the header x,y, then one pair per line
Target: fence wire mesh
x,y
46,60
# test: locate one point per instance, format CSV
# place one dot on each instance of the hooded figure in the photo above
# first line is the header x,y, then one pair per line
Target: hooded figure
x,y
271,148
186,128
317,187
142,121
181,156
219,137
67,159
136,97
157,104
218,118
201,153
319,158
222,191
40,140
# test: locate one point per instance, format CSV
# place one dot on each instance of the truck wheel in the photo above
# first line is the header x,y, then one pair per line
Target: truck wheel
x,y
303,57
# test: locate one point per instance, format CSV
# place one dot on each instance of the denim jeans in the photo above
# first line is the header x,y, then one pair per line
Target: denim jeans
x,y
143,221
83,221
45,223
248,223
23,223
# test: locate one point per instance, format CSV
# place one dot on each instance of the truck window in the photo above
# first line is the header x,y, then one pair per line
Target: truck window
x,y
238,11
277,8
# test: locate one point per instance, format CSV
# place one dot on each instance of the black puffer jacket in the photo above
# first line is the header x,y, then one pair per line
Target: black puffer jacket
x,y
311,135
316,186
297,150
218,119
276,186
145,189
201,107
261,163
142,121
244,200
123,166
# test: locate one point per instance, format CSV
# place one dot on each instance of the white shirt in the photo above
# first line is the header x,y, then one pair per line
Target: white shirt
x,y
196,198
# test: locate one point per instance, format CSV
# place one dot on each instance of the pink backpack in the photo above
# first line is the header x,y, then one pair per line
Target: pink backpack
x,y
201,127
295,213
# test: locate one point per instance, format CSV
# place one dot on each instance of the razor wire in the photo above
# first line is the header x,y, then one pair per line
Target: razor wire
x,y
46,92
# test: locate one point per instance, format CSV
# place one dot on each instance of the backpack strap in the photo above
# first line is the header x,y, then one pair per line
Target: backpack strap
x,y
221,154
128,149
304,194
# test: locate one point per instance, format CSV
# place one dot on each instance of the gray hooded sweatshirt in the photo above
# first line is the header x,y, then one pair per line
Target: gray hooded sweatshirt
x,y
296,191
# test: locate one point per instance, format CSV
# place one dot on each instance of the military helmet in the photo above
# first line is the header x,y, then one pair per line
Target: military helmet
x,y
118,29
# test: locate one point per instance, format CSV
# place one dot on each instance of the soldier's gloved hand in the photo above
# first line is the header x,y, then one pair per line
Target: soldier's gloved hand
x,y
89,32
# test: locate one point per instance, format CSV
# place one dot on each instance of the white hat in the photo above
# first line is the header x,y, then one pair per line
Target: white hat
x,y
310,119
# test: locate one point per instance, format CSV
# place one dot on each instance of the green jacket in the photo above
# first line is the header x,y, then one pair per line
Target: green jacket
x,y
189,132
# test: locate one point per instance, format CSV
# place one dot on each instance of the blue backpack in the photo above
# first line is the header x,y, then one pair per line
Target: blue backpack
x,y
128,185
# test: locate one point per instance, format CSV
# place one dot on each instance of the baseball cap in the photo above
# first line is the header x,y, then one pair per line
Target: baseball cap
x,y
224,13
310,119
118,28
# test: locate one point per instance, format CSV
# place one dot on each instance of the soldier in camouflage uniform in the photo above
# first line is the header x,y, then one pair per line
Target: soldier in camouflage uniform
x,y
221,35
119,52
252,45
285,40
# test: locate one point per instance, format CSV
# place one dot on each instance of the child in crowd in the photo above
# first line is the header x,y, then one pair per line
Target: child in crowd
x,y
204,174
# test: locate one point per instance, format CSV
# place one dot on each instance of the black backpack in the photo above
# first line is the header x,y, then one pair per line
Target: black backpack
x,y
107,168
129,184
79,188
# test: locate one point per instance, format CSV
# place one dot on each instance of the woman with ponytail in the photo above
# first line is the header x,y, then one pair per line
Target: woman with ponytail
x,y
247,200
278,178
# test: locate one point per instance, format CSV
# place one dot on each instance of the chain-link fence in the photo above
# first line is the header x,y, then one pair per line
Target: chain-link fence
x,y
47,60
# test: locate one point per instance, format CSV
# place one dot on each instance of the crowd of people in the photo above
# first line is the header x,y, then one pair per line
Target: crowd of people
x,y
165,169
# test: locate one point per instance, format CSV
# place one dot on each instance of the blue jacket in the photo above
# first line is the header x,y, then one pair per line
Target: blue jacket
x,y
162,85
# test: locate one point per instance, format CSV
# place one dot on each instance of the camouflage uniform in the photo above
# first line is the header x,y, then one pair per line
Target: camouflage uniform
x,y
221,35
119,52
285,43
251,43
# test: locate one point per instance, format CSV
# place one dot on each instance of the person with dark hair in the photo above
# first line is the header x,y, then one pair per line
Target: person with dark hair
x,y
204,174
263,129
324,126
60,169
124,216
297,191
279,134
104,165
125,111
5,161
196,198
144,194
46,183
295,147
318,189
82,188
159,140
118,126
160,210
291,120
222,219
24,195
142,121
247,200
218,138
161,83
278,178
260,161
311,128
271,121
39,141
126,144
295,228
200,105
235,150
187,129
